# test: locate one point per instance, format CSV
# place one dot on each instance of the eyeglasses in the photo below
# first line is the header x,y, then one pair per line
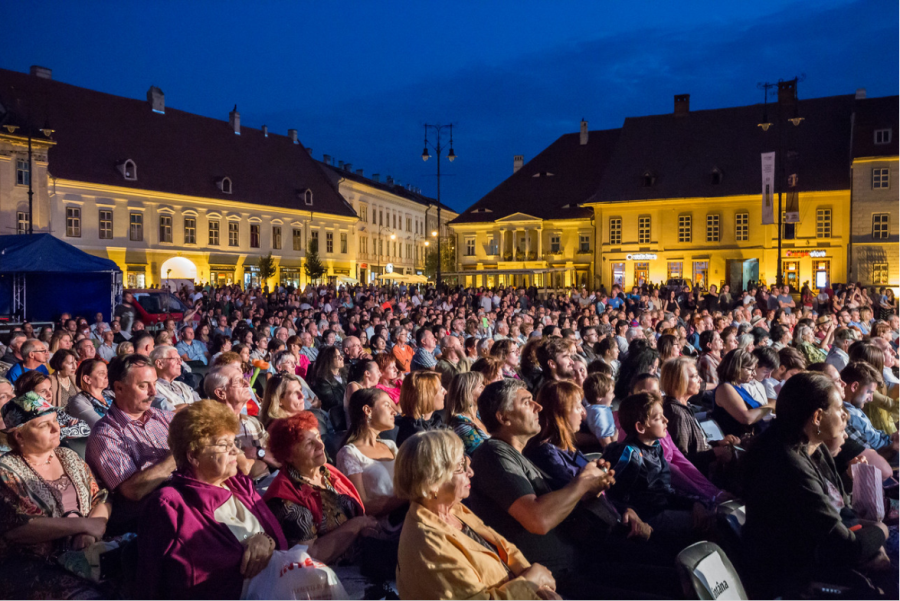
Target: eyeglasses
x,y
226,447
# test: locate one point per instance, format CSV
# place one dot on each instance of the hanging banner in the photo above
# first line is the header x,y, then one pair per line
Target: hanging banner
x,y
792,201
768,188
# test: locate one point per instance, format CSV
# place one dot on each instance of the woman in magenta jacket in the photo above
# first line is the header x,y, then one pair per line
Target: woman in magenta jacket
x,y
206,532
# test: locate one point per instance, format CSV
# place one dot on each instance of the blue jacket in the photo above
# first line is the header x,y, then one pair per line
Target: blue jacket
x,y
643,480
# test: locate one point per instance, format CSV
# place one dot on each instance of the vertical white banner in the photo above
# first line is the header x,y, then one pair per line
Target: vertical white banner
x,y
768,188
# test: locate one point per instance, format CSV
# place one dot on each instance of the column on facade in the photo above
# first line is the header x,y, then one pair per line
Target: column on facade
x,y
540,235
502,243
527,242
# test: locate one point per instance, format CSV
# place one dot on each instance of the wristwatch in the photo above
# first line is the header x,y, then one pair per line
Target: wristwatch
x,y
260,453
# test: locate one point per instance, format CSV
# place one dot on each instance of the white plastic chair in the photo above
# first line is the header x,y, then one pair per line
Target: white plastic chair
x,y
707,573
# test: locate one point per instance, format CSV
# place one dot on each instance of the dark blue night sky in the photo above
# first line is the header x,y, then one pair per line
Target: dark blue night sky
x,y
358,79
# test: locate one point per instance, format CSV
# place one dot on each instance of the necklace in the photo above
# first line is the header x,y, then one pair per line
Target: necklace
x,y
49,459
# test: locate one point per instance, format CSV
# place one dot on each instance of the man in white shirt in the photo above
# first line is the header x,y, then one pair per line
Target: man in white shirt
x,y
486,301
107,349
837,356
170,393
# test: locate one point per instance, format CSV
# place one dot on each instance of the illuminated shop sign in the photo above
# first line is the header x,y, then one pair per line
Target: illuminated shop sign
x,y
641,257
815,254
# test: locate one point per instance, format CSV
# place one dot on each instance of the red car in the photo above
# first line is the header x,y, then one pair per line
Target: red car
x,y
155,306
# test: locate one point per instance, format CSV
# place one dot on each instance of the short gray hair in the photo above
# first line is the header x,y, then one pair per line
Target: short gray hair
x,y
159,353
215,380
30,346
497,397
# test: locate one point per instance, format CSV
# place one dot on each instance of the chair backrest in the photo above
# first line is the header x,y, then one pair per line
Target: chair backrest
x,y
707,573
735,515
712,430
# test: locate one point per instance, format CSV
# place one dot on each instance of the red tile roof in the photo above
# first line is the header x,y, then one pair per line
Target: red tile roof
x,y
175,152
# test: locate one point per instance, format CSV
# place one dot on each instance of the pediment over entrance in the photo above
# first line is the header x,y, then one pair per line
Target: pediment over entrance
x,y
519,217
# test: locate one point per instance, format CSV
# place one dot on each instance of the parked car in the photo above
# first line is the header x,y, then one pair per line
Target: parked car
x,y
156,306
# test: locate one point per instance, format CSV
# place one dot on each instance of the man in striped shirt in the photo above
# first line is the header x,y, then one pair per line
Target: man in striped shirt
x,y
128,448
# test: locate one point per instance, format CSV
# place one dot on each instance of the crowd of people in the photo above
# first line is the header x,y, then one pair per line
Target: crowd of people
x,y
454,443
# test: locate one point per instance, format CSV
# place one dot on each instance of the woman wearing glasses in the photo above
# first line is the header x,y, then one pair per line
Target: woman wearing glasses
x,y
207,532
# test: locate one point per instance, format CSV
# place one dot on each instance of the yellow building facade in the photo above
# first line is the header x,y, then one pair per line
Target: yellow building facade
x,y
721,241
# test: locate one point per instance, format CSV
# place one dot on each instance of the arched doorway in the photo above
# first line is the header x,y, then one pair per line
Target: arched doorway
x,y
176,272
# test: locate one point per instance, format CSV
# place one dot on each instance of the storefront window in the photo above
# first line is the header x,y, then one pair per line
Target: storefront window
x,y
823,274
701,273
618,274
251,277
641,273
136,279
221,277
674,269
290,277
791,273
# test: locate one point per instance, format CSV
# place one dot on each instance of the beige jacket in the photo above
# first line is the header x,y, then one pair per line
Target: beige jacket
x,y
436,561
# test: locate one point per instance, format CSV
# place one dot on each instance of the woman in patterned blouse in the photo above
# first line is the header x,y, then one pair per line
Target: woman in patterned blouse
x,y
462,409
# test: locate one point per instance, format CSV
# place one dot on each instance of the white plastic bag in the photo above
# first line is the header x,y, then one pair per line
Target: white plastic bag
x,y
293,574
868,493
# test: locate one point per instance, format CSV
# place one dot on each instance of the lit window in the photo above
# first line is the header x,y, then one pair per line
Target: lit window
x,y
881,225
106,230
883,136
165,228
190,230
136,229
881,178
615,230
880,273
343,244
254,235
684,228
276,236
712,228
742,227
329,242
584,243
493,249
213,233
823,223
297,239
73,222
470,247
674,269
23,172
644,230
23,222
234,233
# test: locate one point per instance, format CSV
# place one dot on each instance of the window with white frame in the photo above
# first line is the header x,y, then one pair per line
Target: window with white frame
x,y
73,222
712,228
584,243
213,233
742,227
308,198
343,243
470,247
408,252
883,136
165,228
493,248
190,230
23,172
136,227
363,213
554,243
363,245
881,223
823,223
23,222
234,233
329,242
880,273
276,237
881,178
106,224
254,235
644,229
409,224
684,228
297,237
615,230
314,237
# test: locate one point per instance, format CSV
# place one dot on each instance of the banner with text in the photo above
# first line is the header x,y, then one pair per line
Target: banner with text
x,y
768,188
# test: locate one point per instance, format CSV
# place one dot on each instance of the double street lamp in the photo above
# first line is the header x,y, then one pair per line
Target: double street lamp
x,y
451,156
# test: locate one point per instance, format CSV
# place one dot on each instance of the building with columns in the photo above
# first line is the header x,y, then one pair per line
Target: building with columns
x,y
396,222
533,229
166,194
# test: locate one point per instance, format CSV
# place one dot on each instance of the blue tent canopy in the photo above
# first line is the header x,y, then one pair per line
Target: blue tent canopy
x,y
42,276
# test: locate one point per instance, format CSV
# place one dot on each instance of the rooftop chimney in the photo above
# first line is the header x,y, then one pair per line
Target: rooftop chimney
x,y
861,94
42,72
389,180
682,104
376,177
348,167
309,151
156,98
359,172
584,132
518,161
234,118
787,92
265,130
340,164
326,158
292,134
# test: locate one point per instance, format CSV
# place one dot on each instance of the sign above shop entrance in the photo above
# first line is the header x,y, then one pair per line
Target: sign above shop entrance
x,y
641,257
815,254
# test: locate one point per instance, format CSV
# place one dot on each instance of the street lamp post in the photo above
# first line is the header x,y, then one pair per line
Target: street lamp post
x,y
780,162
451,156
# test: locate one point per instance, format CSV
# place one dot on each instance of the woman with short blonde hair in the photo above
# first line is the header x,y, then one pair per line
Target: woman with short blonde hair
x,y
446,551
421,404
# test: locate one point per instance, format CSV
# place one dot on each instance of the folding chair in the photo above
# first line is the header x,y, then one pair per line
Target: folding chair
x,y
707,573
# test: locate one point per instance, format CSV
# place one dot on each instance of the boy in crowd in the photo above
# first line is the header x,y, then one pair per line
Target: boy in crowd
x,y
599,392
791,363
860,381
767,361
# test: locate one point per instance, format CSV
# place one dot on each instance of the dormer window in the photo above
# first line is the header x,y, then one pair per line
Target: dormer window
x,y
882,136
224,185
543,174
481,210
308,197
648,179
128,169
715,177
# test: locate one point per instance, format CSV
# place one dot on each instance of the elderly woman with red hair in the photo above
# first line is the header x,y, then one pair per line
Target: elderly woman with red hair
x,y
315,503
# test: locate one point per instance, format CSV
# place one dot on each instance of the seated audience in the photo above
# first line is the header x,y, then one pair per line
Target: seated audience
x,y
421,404
390,380
446,552
62,380
34,356
736,411
93,400
461,410
599,390
206,532
170,393
326,378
